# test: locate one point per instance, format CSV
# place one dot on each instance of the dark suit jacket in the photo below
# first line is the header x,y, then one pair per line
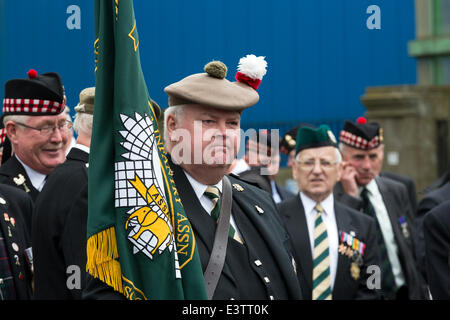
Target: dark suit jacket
x,y
409,184
347,220
431,200
18,206
10,170
284,192
269,238
396,200
59,228
265,240
253,176
437,248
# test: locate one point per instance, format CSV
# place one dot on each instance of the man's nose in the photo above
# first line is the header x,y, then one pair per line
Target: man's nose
x,y
222,127
366,163
57,135
317,169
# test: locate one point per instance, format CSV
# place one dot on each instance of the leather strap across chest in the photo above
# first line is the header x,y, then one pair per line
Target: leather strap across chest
x,y
219,251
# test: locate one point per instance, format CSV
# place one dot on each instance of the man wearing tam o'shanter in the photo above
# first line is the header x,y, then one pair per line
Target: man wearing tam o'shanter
x,y
253,259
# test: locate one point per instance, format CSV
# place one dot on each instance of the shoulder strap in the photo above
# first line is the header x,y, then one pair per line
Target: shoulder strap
x,y
219,251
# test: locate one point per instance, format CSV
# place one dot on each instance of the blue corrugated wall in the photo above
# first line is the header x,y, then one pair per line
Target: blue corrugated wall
x,y
320,53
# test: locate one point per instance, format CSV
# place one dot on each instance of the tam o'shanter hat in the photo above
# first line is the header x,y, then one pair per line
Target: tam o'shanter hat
x,y
310,137
361,135
38,95
212,89
86,104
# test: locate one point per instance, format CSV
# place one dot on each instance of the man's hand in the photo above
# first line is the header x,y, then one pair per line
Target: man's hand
x,y
348,179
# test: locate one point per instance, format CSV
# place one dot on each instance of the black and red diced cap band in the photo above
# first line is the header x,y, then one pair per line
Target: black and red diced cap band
x,y
361,135
2,136
38,95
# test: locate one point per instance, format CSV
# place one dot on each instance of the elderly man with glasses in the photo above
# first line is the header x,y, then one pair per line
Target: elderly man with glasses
x,y
37,129
333,244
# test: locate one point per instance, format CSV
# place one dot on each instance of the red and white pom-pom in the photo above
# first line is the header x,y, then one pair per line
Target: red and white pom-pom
x,y
32,74
361,120
251,70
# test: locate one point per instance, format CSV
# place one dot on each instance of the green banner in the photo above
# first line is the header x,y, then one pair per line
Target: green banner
x,y
140,241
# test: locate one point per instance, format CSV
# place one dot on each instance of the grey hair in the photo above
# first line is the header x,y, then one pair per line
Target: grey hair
x,y
178,112
83,123
342,147
338,156
15,118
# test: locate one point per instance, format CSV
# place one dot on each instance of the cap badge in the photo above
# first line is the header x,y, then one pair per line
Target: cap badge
x,y
331,136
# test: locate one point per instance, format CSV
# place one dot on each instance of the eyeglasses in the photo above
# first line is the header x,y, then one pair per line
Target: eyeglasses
x,y
63,126
308,165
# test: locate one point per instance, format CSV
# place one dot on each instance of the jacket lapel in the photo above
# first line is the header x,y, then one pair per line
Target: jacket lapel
x,y
193,208
276,240
392,209
386,195
344,223
14,170
298,231
15,245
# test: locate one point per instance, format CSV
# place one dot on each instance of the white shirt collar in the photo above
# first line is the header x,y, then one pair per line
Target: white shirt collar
x,y
200,188
37,178
275,195
309,204
82,147
241,166
371,187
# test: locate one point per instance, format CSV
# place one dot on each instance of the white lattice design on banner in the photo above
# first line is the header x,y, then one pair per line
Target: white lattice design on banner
x,y
139,186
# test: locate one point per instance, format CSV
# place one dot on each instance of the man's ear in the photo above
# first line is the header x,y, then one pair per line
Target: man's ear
x,y
171,125
340,169
12,131
294,170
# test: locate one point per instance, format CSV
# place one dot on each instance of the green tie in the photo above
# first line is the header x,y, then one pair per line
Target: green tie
x,y
213,193
321,256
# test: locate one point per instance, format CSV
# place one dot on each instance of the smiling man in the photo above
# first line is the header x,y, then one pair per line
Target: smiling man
x,y
37,129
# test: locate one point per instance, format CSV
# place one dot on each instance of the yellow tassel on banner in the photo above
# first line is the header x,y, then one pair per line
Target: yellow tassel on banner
x,y
102,255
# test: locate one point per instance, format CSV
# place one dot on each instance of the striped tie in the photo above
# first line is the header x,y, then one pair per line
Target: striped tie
x,y
321,270
213,193
387,278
